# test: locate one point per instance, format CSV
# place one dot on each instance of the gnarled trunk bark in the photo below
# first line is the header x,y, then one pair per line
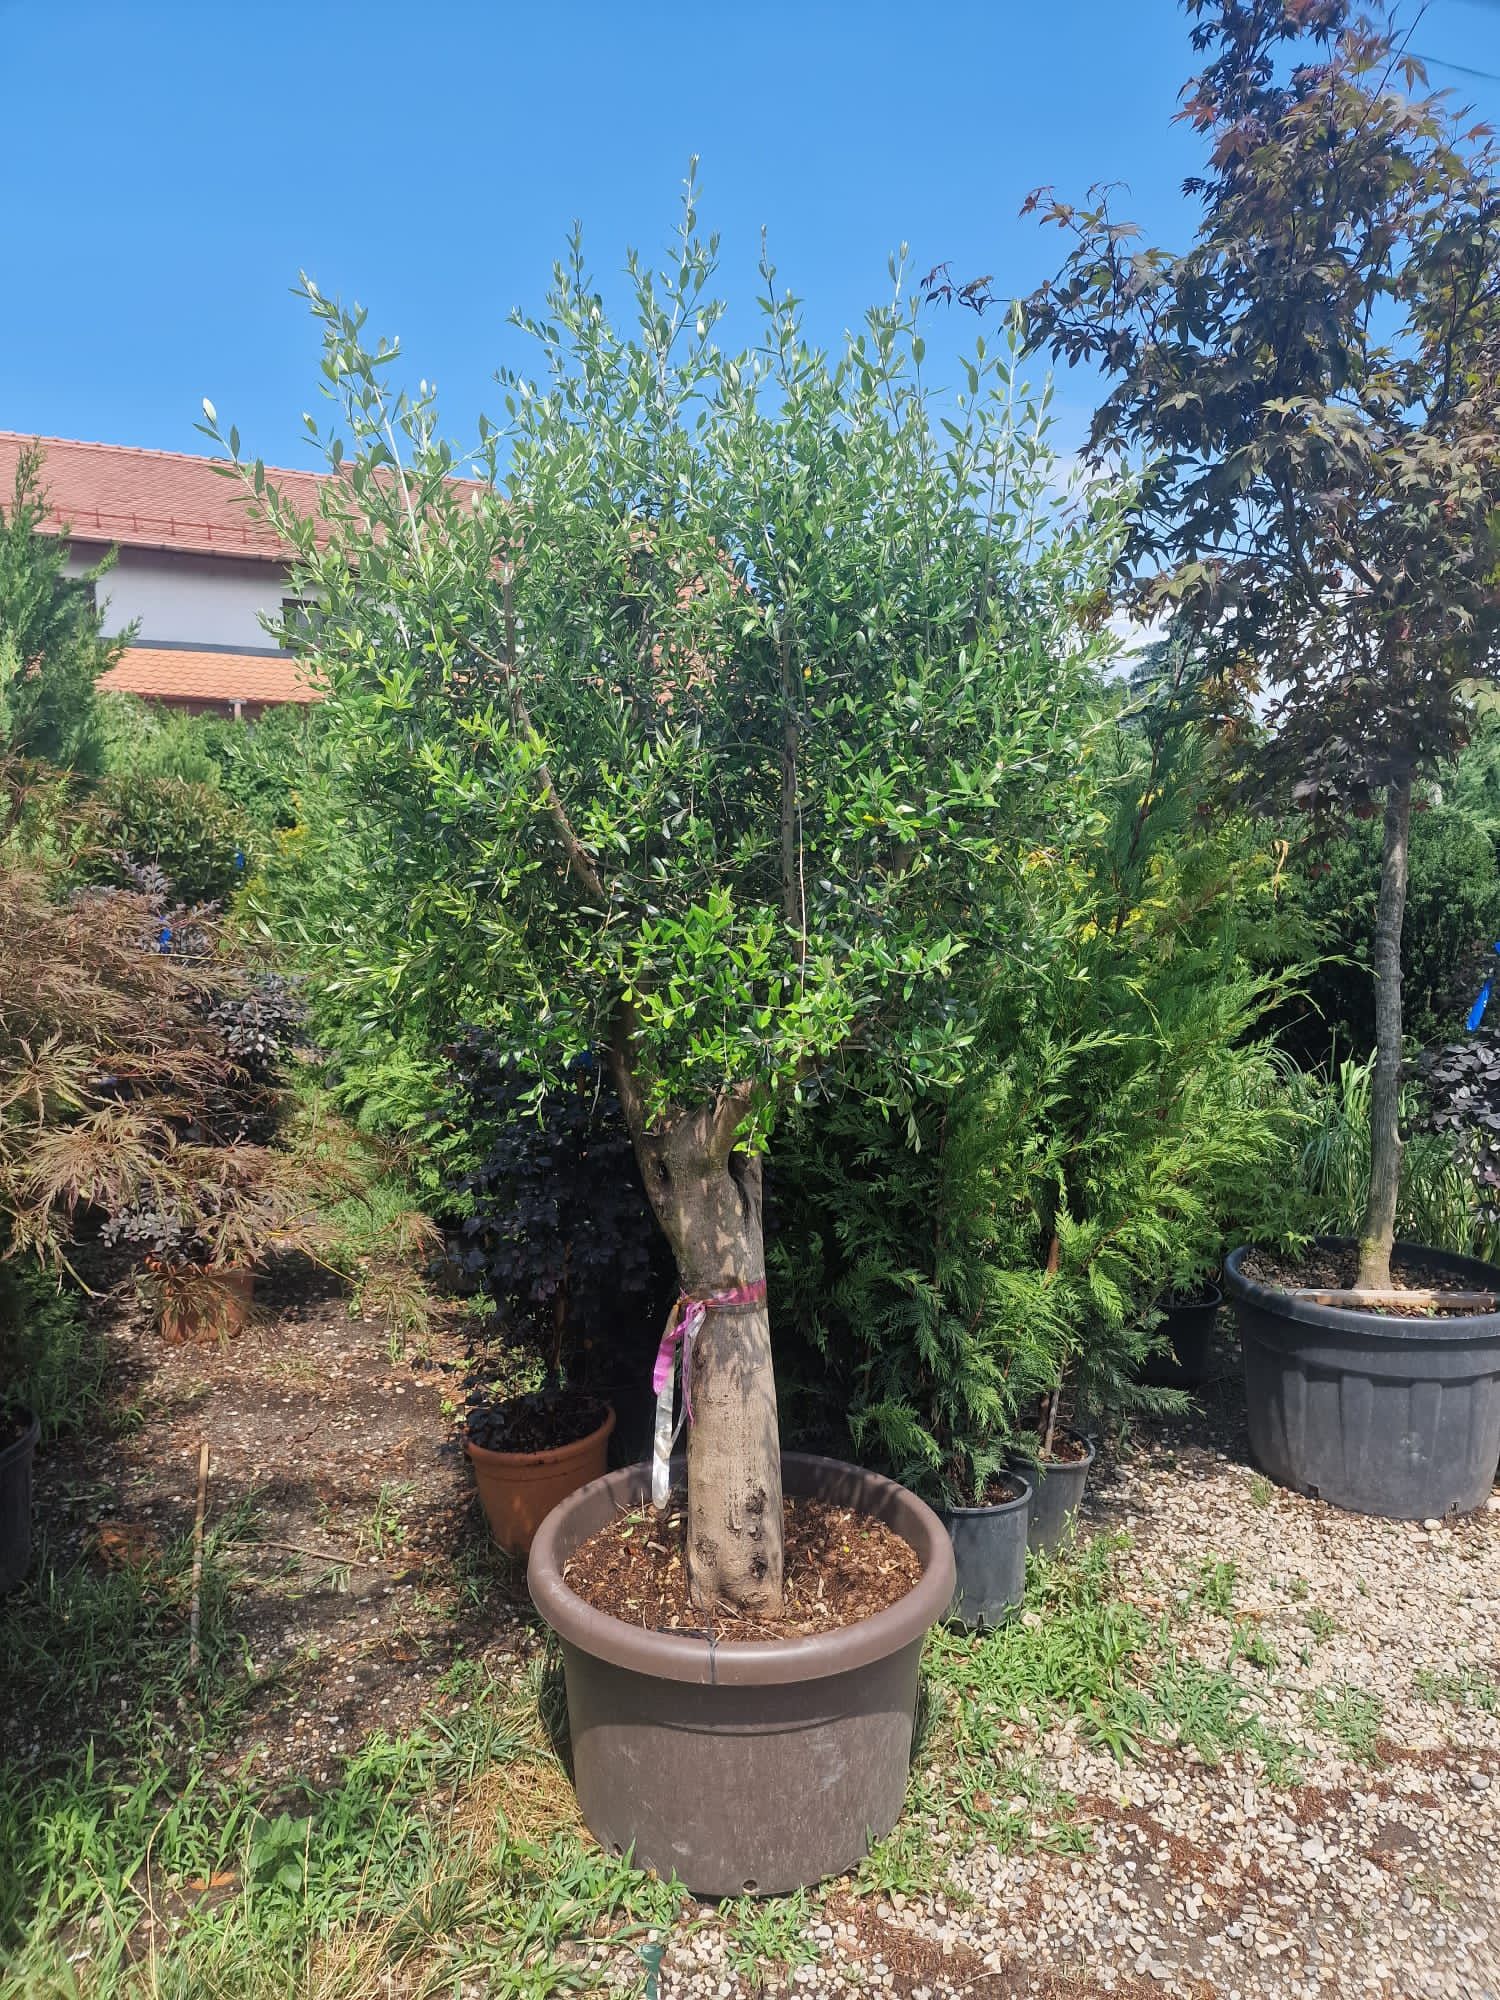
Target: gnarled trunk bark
x,y
708,1197
1378,1230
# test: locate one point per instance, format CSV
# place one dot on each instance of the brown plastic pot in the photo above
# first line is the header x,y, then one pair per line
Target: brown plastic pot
x,y
519,1489
751,1767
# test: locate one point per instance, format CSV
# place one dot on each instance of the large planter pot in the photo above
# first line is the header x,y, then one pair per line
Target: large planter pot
x,y
989,1557
1057,1487
15,1501
1188,1328
748,1767
519,1489
1383,1415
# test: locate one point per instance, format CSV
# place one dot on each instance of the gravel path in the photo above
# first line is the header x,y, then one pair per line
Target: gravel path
x,y
1372,1648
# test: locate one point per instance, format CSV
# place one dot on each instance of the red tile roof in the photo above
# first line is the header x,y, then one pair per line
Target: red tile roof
x,y
167,674
151,499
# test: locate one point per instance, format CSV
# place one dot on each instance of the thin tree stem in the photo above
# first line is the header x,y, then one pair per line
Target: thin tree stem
x,y
1378,1230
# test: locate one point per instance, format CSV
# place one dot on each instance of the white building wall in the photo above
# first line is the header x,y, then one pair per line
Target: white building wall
x,y
188,600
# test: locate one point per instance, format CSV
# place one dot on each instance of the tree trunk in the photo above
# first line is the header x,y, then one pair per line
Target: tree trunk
x,y
708,1198
1378,1231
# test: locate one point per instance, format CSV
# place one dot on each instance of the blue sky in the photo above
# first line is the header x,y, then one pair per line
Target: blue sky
x,y
170,167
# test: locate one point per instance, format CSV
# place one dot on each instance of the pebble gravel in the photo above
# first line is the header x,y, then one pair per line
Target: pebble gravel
x,y
1371,1876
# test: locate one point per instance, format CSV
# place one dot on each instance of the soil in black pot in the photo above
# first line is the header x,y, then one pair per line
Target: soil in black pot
x,y
840,1567
1326,1268
1066,1450
11,1427
999,1490
541,1420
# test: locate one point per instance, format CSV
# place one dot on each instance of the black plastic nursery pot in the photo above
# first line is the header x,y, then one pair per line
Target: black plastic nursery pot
x,y
1380,1414
15,1500
752,1767
989,1558
1057,1487
1188,1327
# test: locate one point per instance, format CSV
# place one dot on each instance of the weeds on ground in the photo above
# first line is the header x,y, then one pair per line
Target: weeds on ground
x,y
1353,1717
767,1938
1464,1687
454,1855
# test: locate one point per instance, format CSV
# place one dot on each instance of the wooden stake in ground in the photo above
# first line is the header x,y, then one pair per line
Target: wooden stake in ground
x,y
198,1551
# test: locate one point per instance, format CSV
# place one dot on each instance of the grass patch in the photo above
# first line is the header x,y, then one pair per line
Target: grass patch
x,y
1083,1651
451,1857
1353,1717
1466,1687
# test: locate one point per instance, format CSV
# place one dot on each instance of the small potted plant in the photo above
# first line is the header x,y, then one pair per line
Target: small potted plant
x,y
1056,1469
990,1533
1182,1353
559,1233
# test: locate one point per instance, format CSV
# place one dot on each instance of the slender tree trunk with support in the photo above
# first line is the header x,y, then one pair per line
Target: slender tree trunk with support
x,y
1378,1231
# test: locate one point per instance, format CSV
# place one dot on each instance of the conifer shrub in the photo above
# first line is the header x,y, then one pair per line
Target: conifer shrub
x,y
1123,1117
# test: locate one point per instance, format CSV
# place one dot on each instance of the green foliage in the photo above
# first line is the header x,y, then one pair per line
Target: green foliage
x,y
1452,921
1325,1192
260,766
700,732
51,1361
52,645
144,739
192,832
1121,1116
1311,391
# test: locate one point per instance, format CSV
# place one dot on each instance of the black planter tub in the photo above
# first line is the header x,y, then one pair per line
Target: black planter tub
x,y
1380,1414
754,1767
15,1497
1057,1489
1187,1327
989,1555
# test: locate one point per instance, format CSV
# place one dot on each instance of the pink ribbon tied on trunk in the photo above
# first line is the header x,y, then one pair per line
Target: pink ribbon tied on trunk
x,y
684,1324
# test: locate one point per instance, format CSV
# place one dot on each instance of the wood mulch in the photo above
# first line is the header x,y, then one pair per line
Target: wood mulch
x,y
840,1567
1319,1269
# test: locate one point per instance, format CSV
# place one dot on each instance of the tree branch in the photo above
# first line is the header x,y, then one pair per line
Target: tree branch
x,y
579,859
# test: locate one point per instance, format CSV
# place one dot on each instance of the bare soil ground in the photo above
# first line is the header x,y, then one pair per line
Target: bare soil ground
x,y
363,1569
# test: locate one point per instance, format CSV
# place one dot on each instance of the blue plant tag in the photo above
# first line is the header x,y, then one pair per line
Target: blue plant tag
x,y
1476,1012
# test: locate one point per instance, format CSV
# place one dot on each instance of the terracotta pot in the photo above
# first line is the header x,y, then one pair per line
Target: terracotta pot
x,y
204,1303
742,1767
519,1489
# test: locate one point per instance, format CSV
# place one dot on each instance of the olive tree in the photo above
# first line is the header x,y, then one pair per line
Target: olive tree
x,y
1312,392
691,720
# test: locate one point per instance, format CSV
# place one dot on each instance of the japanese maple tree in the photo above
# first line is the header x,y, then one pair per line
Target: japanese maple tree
x,y
1310,393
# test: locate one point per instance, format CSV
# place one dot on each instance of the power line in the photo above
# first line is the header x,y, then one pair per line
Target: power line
x,y
1460,69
